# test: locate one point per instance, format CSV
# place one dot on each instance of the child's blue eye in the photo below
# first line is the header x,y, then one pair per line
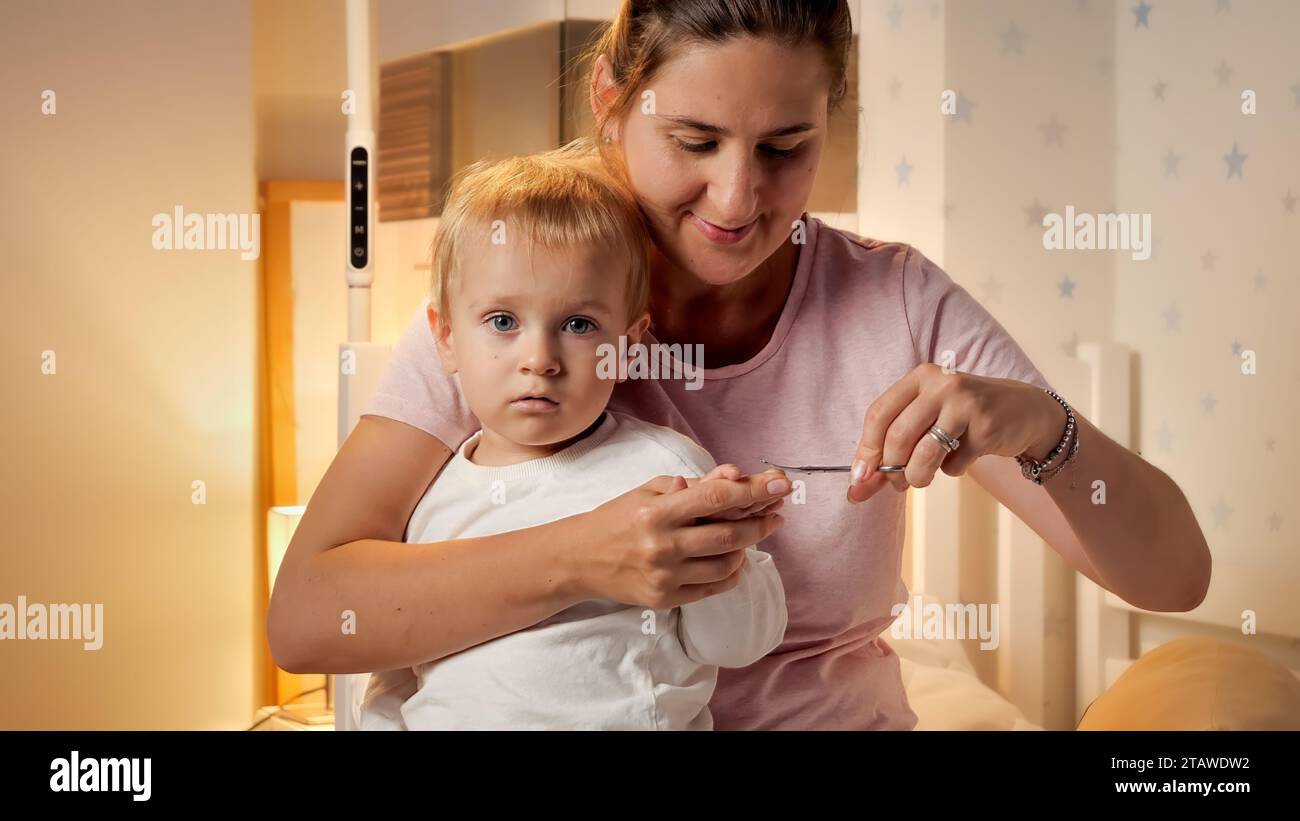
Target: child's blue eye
x,y
496,320
584,325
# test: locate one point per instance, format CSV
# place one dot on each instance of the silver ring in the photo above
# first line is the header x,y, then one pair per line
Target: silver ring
x,y
891,468
943,438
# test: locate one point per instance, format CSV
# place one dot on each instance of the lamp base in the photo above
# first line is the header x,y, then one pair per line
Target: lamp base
x,y
318,710
307,713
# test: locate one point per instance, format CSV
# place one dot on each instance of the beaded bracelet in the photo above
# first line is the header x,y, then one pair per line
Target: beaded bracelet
x,y
1038,472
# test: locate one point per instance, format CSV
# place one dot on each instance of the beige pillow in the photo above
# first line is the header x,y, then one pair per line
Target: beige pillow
x,y
1199,684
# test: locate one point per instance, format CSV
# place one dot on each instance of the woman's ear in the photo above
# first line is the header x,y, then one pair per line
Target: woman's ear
x,y
442,340
604,91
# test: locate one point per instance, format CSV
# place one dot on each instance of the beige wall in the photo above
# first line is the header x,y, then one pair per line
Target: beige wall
x,y
299,74
407,27
156,364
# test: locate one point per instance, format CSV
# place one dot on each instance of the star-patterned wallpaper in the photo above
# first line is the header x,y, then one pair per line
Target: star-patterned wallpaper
x,y
1184,110
1221,184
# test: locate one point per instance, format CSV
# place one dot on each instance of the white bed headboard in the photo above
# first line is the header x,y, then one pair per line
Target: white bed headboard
x,y
1103,634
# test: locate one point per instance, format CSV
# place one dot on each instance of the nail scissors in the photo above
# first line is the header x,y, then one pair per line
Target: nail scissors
x,y
831,468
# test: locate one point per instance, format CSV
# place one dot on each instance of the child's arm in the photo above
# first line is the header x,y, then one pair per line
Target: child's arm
x,y
740,626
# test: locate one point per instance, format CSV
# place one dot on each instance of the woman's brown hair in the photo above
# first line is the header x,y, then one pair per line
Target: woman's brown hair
x,y
643,35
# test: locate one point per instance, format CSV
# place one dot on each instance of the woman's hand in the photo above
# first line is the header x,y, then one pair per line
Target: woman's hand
x,y
988,415
733,472
665,544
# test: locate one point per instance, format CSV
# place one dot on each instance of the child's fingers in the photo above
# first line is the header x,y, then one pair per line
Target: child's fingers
x,y
712,498
724,472
678,483
759,509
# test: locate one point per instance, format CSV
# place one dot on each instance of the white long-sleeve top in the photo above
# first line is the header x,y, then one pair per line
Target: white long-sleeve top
x,y
599,664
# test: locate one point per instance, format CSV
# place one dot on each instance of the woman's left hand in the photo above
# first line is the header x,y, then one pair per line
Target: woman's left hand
x,y
986,414
734,473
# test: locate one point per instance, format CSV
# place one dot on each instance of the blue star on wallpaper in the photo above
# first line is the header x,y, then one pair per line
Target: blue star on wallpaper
x,y
1142,12
1235,160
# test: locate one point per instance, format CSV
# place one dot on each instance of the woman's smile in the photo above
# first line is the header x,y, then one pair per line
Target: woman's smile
x,y
719,234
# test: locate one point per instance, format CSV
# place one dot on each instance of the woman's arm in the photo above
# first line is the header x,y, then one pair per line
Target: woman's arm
x,y
347,555
412,603
1143,544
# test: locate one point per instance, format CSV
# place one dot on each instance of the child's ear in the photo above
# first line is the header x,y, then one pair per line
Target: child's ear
x,y
637,329
442,340
634,333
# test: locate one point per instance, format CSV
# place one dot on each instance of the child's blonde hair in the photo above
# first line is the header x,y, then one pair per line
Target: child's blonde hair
x,y
557,199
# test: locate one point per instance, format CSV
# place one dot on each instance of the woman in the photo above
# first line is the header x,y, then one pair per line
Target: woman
x,y
715,112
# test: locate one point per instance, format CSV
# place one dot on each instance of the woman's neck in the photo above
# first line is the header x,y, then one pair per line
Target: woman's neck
x,y
734,321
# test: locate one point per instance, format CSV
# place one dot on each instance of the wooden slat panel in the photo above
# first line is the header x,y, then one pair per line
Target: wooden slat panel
x,y
414,146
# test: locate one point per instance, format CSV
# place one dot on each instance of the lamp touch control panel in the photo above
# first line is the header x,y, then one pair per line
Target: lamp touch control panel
x,y
359,184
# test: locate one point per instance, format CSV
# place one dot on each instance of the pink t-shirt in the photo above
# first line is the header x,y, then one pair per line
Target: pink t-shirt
x,y
861,314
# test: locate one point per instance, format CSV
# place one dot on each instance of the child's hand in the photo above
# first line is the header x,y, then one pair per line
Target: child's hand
x,y
734,473
721,472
